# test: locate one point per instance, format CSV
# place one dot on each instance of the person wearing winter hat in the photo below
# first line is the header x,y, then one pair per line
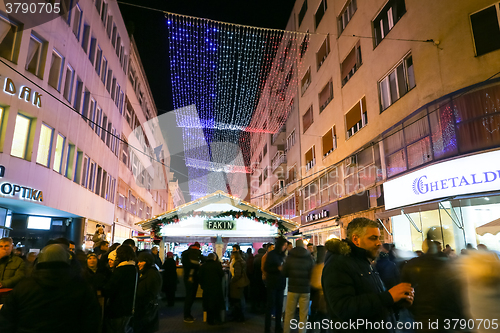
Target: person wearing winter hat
x,y
52,288
146,317
170,279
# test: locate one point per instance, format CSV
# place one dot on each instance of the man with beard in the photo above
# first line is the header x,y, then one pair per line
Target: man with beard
x,y
356,298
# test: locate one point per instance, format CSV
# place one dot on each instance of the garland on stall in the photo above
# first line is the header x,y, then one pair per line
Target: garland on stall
x,y
159,223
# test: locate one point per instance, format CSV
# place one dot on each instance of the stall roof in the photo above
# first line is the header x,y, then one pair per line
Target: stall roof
x,y
218,202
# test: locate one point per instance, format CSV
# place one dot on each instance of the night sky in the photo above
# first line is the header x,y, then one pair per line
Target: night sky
x,y
151,35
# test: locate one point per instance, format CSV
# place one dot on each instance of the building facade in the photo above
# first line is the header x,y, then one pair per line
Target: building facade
x,y
386,89
62,110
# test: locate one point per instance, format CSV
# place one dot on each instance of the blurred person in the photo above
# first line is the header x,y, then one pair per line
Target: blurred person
x,y
54,299
71,246
297,268
103,259
29,263
191,264
211,276
353,291
480,274
289,247
93,273
259,288
170,279
419,253
146,317
249,265
119,291
269,248
482,247
239,281
310,248
99,235
12,267
387,269
156,255
19,252
318,305
101,248
130,242
437,289
275,284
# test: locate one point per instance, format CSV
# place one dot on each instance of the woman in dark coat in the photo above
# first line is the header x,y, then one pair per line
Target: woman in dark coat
x,y
146,319
211,275
170,279
238,282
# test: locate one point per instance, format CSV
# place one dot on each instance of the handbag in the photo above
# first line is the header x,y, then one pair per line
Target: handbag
x,y
151,310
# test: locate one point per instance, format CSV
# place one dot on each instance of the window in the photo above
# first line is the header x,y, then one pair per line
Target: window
x,y
387,19
93,46
113,88
86,37
45,145
98,5
69,161
92,174
98,180
113,36
104,184
98,116
68,84
108,138
291,175
351,63
302,12
485,30
356,118
21,137
325,96
397,83
58,156
323,52
98,59
310,158
311,196
290,141
122,201
264,152
118,44
108,83
346,15
307,118
329,142
306,81
133,203
78,94
104,12
8,39
104,70
85,171
66,11
305,44
77,21
86,105
109,25
56,67
93,105
320,12
104,127
36,56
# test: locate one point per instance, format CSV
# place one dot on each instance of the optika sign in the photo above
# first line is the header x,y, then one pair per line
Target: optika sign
x,y
21,191
25,93
471,174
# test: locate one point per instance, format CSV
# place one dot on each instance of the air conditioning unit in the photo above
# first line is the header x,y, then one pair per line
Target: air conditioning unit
x,y
350,161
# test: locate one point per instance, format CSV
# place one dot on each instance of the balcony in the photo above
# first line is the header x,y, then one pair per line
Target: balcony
x,y
279,137
279,162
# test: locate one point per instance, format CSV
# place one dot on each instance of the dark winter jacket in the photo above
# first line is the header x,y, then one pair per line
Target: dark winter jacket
x,y
11,270
240,279
169,274
297,268
211,275
274,276
53,299
388,270
353,289
119,291
191,262
146,318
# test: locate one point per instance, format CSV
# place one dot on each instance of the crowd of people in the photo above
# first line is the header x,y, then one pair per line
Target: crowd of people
x,y
356,284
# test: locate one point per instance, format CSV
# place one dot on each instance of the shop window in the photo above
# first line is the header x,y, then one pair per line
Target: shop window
x,y
70,160
77,21
58,155
9,39
38,222
387,19
21,139
68,84
356,118
310,158
305,44
56,68
86,37
307,119
323,52
37,50
486,30
303,11
346,15
325,96
45,145
397,83
320,12
351,63
329,142
78,167
306,81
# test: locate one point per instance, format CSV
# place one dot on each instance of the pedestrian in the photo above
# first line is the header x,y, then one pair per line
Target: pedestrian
x,y
191,264
99,235
297,268
146,317
239,281
387,269
259,288
353,290
156,255
318,304
211,275
170,279
11,266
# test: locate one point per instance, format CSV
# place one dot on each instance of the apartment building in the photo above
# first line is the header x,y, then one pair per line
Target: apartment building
x,y
389,91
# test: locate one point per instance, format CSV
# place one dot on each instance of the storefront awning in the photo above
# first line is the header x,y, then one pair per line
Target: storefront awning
x,y
489,228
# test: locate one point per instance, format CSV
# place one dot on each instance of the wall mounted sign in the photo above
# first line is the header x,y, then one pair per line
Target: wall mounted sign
x,y
15,190
472,174
220,225
25,93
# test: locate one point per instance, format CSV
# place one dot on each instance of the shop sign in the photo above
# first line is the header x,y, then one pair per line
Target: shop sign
x,y
25,93
318,216
472,174
220,225
330,210
22,192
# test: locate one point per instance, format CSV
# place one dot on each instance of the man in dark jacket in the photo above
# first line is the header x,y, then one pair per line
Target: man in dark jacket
x,y
298,268
191,264
11,266
275,284
356,298
53,299
170,279
211,275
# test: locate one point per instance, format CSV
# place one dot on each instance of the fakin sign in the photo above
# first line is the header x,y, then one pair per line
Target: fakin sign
x,y
220,225
472,174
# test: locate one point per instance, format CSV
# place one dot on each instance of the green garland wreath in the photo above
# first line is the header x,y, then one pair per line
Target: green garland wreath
x,y
158,223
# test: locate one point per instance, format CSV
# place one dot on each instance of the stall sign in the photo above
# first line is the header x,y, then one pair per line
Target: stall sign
x,y
220,225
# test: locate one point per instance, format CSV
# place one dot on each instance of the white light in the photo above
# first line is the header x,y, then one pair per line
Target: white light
x,y
39,222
